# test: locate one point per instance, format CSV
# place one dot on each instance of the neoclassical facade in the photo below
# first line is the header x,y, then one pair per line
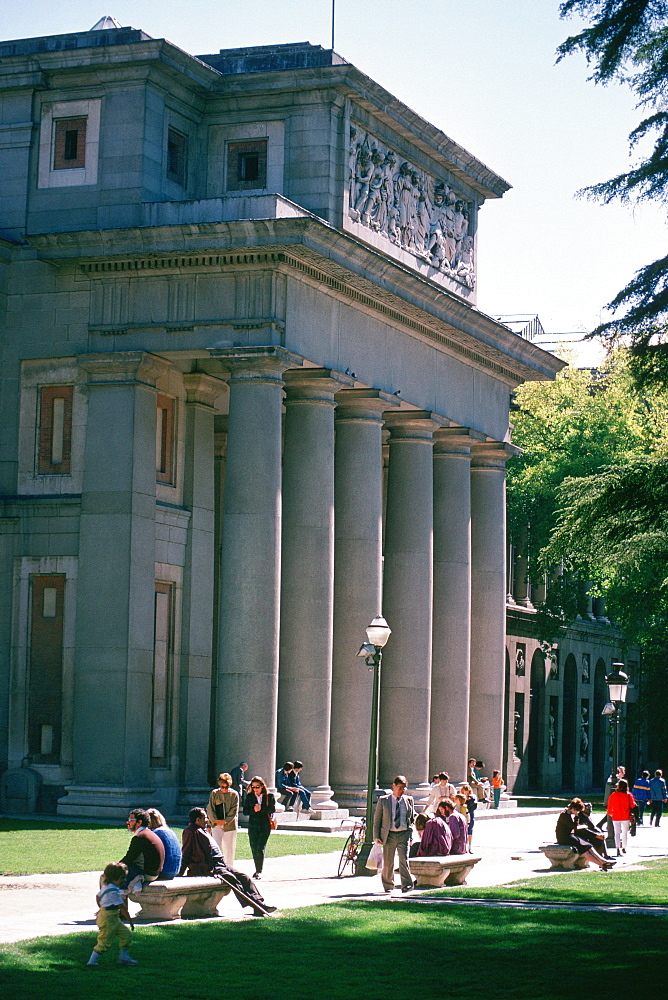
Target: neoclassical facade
x,y
247,404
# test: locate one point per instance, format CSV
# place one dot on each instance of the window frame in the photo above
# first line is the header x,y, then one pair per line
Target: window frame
x,y
49,175
237,148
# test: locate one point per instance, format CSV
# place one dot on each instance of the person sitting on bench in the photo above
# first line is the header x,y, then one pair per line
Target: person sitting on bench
x,y
200,855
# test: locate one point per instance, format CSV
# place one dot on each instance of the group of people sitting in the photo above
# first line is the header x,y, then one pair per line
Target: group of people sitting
x,y
446,824
289,786
154,853
576,829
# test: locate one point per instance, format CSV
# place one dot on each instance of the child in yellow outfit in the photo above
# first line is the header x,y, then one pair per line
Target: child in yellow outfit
x,y
109,919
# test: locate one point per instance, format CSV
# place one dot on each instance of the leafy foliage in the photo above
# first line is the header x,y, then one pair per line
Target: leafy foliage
x,y
592,484
628,40
574,427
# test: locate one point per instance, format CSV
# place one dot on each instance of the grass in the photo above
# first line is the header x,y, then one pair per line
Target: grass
x,y
348,951
39,847
636,888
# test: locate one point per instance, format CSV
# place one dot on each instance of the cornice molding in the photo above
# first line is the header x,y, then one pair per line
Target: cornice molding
x,y
318,254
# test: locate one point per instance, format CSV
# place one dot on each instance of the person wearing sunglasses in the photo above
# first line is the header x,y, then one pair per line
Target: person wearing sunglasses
x,y
259,805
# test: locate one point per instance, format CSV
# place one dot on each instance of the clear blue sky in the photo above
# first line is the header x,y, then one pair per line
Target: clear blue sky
x,y
484,72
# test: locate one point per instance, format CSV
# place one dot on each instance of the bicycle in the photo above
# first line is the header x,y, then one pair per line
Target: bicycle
x,y
351,848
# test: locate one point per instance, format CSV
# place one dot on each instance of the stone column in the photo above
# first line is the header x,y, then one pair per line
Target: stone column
x,y
450,680
198,578
488,601
358,525
116,586
247,682
521,581
405,684
307,576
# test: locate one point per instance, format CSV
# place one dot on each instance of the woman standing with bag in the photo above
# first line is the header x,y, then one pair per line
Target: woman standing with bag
x,y
259,806
223,812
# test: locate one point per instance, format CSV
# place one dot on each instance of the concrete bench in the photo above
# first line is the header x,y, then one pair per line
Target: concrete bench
x,y
191,897
563,858
450,869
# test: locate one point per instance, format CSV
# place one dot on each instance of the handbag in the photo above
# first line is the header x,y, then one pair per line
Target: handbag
x,y
375,859
219,809
273,824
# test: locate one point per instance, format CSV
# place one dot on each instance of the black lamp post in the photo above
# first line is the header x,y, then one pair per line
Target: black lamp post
x,y
377,633
617,681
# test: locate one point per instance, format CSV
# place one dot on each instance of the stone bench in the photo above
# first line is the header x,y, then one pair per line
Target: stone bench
x,y
191,897
564,858
450,869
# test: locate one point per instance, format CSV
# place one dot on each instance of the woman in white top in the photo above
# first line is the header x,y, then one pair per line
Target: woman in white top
x,y
443,790
223,812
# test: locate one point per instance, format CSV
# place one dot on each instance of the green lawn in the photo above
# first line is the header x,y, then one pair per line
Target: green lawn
x,y
355,951
34,847
637,888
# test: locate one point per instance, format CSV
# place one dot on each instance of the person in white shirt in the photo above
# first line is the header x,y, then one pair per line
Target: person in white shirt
x,y
443,790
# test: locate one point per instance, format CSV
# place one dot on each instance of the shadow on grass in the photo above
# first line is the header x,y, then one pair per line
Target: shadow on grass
x,y
352,950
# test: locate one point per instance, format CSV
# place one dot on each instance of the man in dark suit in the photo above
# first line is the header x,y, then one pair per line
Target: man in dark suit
x,y
392,824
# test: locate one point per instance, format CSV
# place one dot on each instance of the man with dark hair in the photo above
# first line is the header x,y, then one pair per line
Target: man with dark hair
x,y
146,854
458,826
285,785
304,793
200,855
392,824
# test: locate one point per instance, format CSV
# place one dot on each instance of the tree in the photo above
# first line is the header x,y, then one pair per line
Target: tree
x,y
628,40
613,529
592,484
574,427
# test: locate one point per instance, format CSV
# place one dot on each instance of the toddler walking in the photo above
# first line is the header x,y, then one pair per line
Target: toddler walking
x,y
109,919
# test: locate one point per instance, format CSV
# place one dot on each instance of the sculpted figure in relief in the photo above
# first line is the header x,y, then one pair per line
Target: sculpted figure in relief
x,y
406,205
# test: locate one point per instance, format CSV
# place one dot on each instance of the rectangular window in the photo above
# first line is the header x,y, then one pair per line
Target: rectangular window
x,y
162,651
69,147
177,156
55,430
45,704
164,440
247,165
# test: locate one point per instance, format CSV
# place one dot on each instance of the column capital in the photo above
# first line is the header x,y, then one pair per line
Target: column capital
x,y
202,388
123,367
314,385
254,364
363,404
493,454
456,440
412,425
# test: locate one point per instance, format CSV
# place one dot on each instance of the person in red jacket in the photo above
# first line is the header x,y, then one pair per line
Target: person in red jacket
x,y
620,804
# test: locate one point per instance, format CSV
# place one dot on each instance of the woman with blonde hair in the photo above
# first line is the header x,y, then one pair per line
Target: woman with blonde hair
x,y
259,806
172,863
223,812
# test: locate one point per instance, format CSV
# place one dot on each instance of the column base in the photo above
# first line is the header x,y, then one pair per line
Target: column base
x,y
190,796
420,793
353,797
103,802
321,799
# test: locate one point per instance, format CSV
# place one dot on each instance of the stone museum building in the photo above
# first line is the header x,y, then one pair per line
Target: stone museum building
x,y
247,403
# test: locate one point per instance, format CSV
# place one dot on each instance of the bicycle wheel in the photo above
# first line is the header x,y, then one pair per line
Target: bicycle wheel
x,y
348,855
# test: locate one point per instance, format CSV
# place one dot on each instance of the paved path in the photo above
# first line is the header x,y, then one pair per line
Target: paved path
x,y
39,905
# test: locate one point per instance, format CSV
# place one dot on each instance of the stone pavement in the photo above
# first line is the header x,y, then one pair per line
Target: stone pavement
x,y
40,905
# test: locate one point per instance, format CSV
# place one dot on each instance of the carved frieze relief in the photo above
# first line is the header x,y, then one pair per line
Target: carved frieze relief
x,y
415,211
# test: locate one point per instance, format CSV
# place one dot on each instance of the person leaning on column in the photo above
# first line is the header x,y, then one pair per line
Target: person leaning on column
x,y
392,824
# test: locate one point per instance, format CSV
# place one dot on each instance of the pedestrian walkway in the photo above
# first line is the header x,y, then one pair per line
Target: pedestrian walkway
x,y
39,905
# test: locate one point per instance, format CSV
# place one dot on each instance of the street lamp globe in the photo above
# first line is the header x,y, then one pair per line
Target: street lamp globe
x,y
617,682
378,632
